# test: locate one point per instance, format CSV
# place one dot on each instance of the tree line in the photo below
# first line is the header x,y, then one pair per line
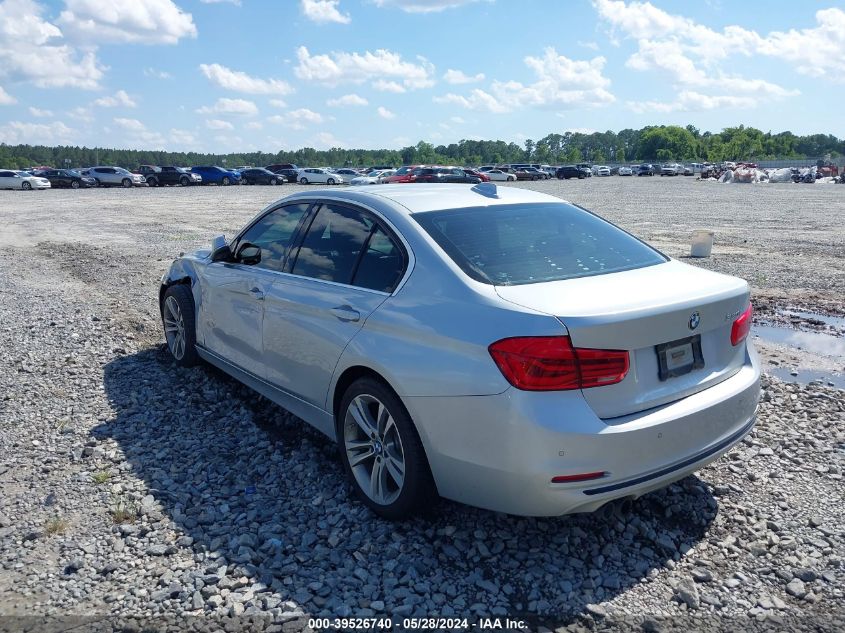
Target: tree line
x,y
652,143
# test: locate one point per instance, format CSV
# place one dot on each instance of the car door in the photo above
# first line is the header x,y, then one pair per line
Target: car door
x,y
8,180
335,283
233,292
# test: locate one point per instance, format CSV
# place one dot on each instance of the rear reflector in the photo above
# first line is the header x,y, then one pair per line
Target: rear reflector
x,y
551,363
741,327
565,479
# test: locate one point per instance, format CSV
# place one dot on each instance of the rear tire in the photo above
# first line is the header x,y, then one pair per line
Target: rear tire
x,y
74,184
374,431
179,321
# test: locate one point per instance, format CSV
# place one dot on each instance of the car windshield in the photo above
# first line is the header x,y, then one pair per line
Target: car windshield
x,y
522,244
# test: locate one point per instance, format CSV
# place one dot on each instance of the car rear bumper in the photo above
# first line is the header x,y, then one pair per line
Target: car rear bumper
x,y
500,452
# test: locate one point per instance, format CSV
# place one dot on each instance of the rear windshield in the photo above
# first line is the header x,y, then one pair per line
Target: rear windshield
x,y
522,244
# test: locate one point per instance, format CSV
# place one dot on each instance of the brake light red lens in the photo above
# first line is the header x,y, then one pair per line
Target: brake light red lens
x,y
565,479
741,327
551,363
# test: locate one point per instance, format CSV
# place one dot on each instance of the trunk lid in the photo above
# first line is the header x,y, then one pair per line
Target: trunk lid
x,y
639,310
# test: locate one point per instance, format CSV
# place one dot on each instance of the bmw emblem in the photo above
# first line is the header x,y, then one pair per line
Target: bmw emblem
x,y
694,320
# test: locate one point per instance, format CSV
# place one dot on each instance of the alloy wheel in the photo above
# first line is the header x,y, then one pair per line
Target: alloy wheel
x,y
374,449
174,328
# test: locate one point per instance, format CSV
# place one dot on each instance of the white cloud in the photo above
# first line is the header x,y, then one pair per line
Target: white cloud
x,y
81,114
182,138
237,3
32,49
120,98
238,81
347,100
655,28
388,86
326,140
39,112
254,125
423,6
278,103
456,119
458,77
562,84
230,106
131,125
324,11
384,113
218,124
16,132
298,119
158,74
342,67
121,21
689,101
6,98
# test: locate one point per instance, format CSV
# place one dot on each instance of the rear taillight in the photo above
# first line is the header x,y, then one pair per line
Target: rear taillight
x,y
551,363
741,327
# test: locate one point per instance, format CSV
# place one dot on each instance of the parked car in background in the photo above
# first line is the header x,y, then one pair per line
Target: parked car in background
x,y
572,171
570,367
646,169
403,174
261,176
168,175
67,178
486,168
291,174
13,179
601,170
214,175
472,172
689,171
671,169
497,175
276,167
534,170
375,177
116,177
452,175
347,173
319,176
624,170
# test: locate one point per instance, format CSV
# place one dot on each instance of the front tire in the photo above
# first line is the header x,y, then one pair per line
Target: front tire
x,y
26,186
179,320
330,181
381,451
184,181
303,181
226,182
274,182
126,183
152,182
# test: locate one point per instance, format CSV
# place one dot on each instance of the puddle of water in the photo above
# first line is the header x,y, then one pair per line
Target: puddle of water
x,y
836,322
806,376
815,342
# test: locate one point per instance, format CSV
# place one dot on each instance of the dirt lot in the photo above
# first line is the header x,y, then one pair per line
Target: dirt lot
x,y
133,489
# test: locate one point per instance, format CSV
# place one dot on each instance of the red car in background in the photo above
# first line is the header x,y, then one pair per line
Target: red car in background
x,y
478,174
403,174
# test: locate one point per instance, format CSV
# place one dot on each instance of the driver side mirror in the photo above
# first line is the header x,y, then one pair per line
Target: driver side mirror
x,y
249,254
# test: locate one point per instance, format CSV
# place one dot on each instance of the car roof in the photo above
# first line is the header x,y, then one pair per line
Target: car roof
x,y
423,197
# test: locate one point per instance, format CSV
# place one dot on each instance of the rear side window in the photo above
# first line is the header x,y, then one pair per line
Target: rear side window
x,y
381,265
522,244
273,234
333,243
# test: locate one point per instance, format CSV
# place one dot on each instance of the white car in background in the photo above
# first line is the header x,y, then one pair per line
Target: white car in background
x,y
626,171
497,175
115,176
601,170
375,177
319,175
11,179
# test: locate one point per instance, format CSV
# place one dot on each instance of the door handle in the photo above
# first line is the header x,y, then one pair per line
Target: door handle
x,y
346,313
257,293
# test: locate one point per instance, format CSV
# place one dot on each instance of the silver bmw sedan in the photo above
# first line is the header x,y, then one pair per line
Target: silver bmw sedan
x,y
492,345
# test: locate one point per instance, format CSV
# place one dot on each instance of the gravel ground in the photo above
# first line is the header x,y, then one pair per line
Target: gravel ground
x,y
135,492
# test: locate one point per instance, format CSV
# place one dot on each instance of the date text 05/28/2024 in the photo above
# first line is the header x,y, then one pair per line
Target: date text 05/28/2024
x,y
408,624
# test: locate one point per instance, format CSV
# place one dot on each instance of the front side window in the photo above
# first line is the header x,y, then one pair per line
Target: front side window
x,y
521,244
273,233
333,243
